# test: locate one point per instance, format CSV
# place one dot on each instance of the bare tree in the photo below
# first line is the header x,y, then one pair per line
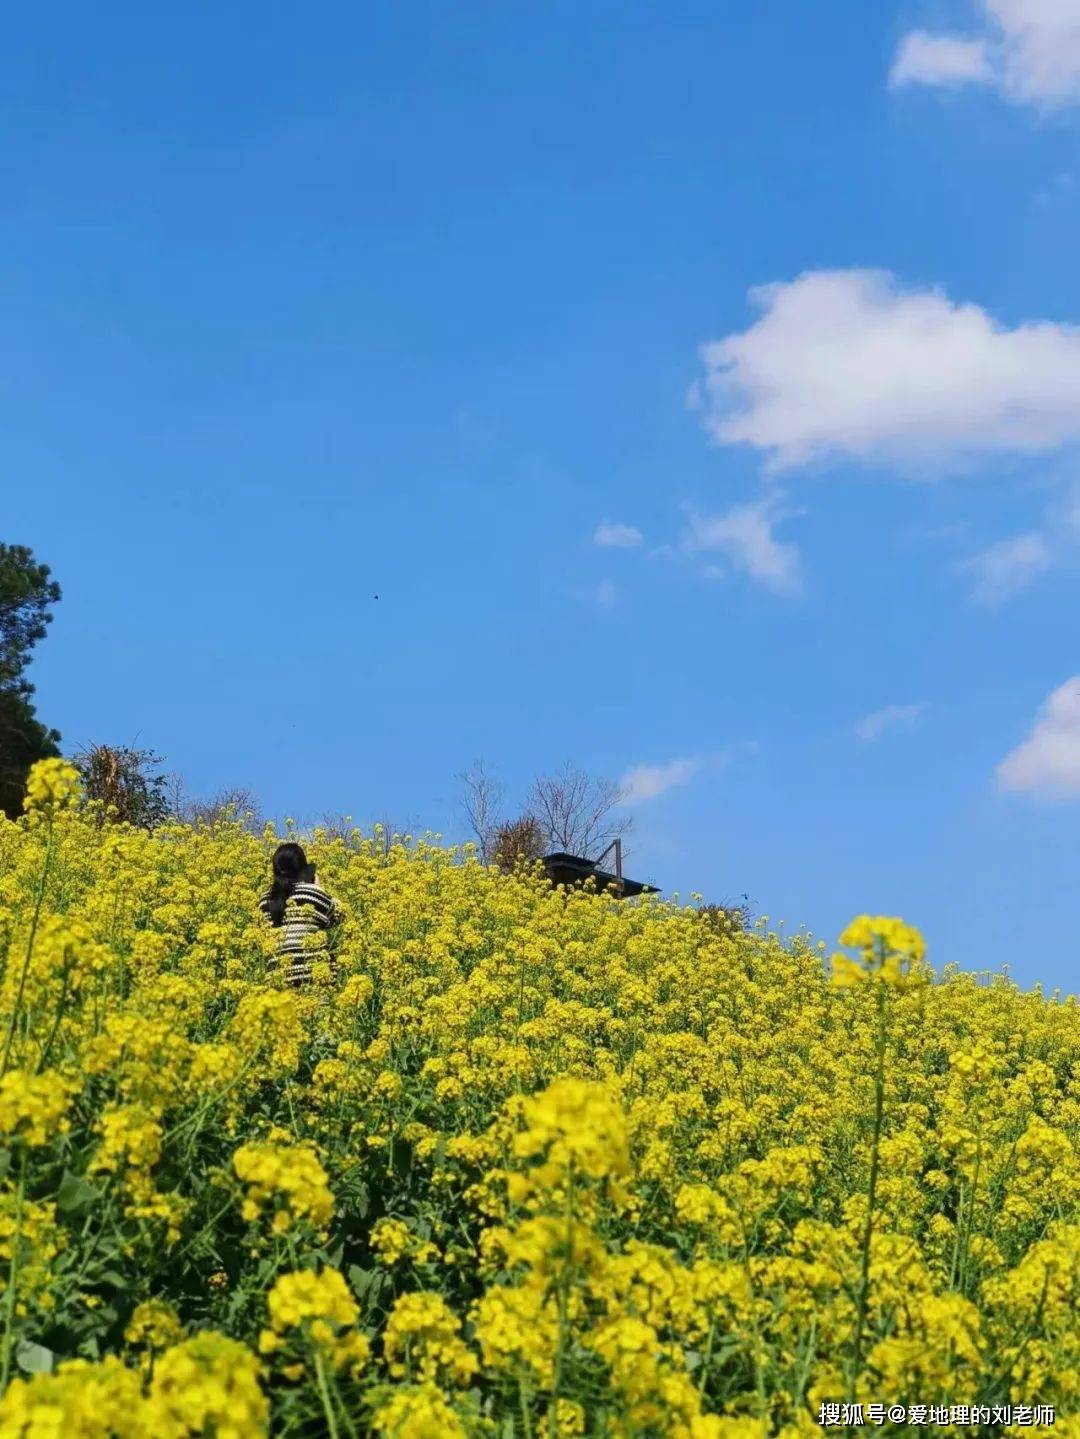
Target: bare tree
x,y
727,918
577,813
232,802
336,825
481,800
386,831
517,841
566,810
125,782
383,831
175,793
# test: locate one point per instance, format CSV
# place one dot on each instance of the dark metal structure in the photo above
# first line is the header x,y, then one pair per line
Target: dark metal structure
x,y
570,869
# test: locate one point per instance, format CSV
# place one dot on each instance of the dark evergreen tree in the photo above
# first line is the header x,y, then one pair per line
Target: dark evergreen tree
x,y
23,741
26,593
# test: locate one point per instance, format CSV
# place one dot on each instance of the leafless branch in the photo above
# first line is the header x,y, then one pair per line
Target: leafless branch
x,y
578,814
482,796
232,802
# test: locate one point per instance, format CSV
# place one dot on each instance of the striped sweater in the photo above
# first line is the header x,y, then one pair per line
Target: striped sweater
x,y
302,938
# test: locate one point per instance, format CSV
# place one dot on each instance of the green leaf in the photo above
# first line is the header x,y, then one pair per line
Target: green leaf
x,y
5,1162
360,1279
75,1193
34,1358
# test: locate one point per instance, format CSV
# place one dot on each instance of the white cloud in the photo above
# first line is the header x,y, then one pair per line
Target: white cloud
x,y
1008,566
924,59
1041,44
1029,49
1005,568
1048,761
849,363
872,726
614,536
647,781
745,535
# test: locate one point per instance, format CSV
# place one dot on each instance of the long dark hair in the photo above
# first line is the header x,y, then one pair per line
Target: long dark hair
x,y
290,866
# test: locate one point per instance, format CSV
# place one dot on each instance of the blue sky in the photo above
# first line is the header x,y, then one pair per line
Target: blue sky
x,y
697,386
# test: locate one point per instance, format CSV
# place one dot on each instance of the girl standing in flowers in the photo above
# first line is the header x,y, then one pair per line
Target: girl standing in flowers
x,y
303,912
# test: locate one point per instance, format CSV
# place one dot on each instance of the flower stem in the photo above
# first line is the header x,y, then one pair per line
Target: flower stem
x,y
868,1227
564,1305
324,1395
526,1425
38,901
13,1274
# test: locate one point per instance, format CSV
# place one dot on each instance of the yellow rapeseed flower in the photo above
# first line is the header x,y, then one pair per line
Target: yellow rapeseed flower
x,y
153,1324
34,1107
209,1383
423,1340
649,1144
418,1412
81,1400
51,785
577,1126
890,952
287,1179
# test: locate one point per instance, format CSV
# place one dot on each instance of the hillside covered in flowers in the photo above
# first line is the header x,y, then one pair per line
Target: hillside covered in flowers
x,y
532,1165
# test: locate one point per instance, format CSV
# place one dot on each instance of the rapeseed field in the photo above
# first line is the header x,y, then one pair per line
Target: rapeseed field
x,y
526,1164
